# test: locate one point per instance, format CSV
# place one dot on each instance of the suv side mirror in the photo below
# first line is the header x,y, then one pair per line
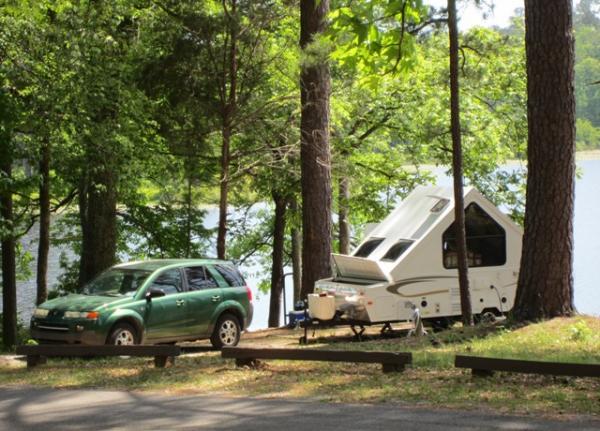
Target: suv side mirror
x,y
154,293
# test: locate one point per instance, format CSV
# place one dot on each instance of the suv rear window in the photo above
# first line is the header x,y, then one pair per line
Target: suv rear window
x,y
198,278
231,275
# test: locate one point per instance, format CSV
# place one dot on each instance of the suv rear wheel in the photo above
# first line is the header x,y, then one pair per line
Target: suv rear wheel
x,y
227,332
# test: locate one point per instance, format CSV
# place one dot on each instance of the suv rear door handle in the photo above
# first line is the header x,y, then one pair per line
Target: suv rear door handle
x,y
216,298
179,302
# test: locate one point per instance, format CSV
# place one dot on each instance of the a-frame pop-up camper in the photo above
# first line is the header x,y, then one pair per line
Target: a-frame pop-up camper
x,y
409,260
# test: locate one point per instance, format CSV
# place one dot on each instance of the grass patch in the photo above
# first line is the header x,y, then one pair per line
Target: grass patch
x,y
432,380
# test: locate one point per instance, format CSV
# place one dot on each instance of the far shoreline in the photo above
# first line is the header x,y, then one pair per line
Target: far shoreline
x,y
580,156
587,155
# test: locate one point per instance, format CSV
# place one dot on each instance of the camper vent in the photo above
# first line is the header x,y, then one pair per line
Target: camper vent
x,y
435,212
439,205
455,300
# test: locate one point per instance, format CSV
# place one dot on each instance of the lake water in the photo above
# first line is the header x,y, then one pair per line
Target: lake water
x,y
587,254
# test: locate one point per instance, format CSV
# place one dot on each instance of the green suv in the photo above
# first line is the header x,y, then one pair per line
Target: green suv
x,y
155,301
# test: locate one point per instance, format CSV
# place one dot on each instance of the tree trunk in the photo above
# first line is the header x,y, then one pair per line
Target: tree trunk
x,y
224,189
228,113
9,279
277,279
459,205
188,223
98,217
296,255
44,240
545,287
314,151
344,225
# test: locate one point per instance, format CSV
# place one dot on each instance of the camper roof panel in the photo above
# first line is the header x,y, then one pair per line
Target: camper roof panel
x,y
413,217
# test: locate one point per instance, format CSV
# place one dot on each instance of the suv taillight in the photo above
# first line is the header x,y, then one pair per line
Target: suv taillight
x,y
249,293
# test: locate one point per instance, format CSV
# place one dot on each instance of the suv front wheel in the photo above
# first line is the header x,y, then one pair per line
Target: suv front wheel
x,y
123,334
227,332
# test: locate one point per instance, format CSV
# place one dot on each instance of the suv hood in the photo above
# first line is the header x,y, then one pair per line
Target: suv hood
x,y
77,302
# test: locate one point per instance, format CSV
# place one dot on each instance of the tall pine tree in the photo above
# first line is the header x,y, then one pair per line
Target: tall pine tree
x,y
315,89
545,286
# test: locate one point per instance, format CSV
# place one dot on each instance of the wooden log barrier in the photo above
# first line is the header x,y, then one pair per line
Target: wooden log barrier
x,y
37,354
486,366
390,361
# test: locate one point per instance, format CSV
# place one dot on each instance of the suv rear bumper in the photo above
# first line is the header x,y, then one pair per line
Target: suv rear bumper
x,y
248,319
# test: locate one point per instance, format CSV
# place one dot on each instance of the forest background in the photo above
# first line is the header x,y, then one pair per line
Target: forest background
x,y
132,118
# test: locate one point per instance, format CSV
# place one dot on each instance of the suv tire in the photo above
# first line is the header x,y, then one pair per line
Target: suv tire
x,y
123,334
227,332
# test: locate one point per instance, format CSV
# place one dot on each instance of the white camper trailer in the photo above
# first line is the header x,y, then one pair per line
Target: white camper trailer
x,y
409,261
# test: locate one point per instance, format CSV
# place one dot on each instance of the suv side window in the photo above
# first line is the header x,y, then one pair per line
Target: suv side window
x,y
198,278
231,275
169,282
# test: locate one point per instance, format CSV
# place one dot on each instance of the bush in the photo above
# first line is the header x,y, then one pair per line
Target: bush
x,y
588,136
23,335
580,331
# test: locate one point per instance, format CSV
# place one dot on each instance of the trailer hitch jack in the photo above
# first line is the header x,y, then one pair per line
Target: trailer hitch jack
x,y
358,334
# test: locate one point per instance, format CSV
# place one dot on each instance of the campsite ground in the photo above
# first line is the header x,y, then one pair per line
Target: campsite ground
x,y
432,381
25,409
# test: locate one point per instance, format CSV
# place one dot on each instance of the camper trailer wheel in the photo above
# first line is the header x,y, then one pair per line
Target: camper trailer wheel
x,y
440,324
486,318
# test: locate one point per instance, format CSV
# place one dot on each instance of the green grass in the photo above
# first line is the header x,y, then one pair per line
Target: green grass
x,y
431,381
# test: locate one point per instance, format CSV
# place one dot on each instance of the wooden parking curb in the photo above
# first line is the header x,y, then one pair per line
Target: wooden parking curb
x,y
36,355
486,366
390,361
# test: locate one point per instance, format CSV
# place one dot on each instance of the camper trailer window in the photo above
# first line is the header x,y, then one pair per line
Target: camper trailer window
x,y
486,240
368,247
397,250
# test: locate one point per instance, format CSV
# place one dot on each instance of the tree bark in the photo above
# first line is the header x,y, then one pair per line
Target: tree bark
x,y
277,278
545,287
98,218
229,110
188,223
9,279
296,255
224,189
44,240
459,205
314,151
343,223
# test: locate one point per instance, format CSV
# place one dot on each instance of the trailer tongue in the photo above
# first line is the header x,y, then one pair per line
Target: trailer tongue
x,y
343,293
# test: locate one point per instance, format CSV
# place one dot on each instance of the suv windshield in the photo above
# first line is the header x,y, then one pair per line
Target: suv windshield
x,y
116,282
